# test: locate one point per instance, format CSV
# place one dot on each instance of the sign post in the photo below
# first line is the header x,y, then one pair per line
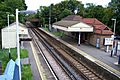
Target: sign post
x,y
107,49
108,42
112,51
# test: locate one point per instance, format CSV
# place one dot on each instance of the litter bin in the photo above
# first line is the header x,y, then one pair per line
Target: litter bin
x,y
97,43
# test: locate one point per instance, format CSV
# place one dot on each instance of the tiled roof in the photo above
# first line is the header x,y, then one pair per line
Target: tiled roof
x,y
92,21
34,20
73,18
108,32
98,26
66,23
102,27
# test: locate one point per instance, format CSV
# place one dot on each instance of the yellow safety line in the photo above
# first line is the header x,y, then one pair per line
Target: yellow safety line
x,y
90,57
39,66
101,63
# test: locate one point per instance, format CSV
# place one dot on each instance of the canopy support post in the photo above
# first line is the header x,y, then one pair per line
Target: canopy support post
x,y
79,39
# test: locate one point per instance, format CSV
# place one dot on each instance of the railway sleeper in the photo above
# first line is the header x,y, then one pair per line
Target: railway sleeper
x,y
81,68
91,76
94,78
86,71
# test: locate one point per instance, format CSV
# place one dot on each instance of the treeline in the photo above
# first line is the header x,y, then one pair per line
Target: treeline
x,y
67,7
9,7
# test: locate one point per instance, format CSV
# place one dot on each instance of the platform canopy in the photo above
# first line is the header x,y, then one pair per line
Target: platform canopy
x,y
72,26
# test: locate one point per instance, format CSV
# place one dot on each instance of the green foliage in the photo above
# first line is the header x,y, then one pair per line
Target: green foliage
x,y
60,34
115,6
9,7
23,53
99,12
26,72
59,11
65,13
4,56
67,7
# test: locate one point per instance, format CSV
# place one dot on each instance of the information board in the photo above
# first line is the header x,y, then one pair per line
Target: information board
x,y
108,41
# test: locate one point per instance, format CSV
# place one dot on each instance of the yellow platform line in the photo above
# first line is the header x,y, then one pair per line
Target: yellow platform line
x,y
91,58
39,66
109,68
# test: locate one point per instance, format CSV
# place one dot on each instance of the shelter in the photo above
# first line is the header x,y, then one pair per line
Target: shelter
x,y
9,35
88,30
73,24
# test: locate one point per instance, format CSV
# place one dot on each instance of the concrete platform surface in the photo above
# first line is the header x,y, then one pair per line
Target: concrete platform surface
x,y
96,53
34,68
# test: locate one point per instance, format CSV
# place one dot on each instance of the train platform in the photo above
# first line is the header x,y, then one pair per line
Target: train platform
x,y
99,54
34,69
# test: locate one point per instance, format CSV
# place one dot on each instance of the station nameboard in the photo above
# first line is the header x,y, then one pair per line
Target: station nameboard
x,y
108,41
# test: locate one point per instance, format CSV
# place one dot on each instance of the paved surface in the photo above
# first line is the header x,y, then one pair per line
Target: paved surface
x,y
25,61
96,53
34,68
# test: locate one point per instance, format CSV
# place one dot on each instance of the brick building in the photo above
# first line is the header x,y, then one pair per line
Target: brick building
x,y
100,32
84,26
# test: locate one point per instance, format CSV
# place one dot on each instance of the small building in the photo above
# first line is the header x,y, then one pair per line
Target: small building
x,y
9,35
88,30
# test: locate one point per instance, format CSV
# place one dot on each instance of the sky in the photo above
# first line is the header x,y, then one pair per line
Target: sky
x,y
34,4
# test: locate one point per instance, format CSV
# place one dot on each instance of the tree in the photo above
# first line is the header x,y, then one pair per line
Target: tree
x,y
115,6
60,10
108,14
65,13
9,6
93,11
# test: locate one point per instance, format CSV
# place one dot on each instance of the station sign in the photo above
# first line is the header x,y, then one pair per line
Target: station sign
x,y
108,41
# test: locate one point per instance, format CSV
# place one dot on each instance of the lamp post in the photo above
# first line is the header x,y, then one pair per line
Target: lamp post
x,y
114,24
113,36
8,15
75,12
8,34
18,47
50,18
17,34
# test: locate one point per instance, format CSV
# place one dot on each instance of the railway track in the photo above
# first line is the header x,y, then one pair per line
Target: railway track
x,y
80,69
43,59
62,75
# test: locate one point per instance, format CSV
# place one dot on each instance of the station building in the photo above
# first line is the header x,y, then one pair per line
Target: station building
x,y
9,35
86,30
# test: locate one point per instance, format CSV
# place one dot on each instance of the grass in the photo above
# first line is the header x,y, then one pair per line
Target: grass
x,y
58,33
4,58
23,53
26,72
46,28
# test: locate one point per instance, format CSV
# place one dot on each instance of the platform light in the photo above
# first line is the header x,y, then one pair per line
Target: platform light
x,y
17,27
114,24
8,15
113,36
